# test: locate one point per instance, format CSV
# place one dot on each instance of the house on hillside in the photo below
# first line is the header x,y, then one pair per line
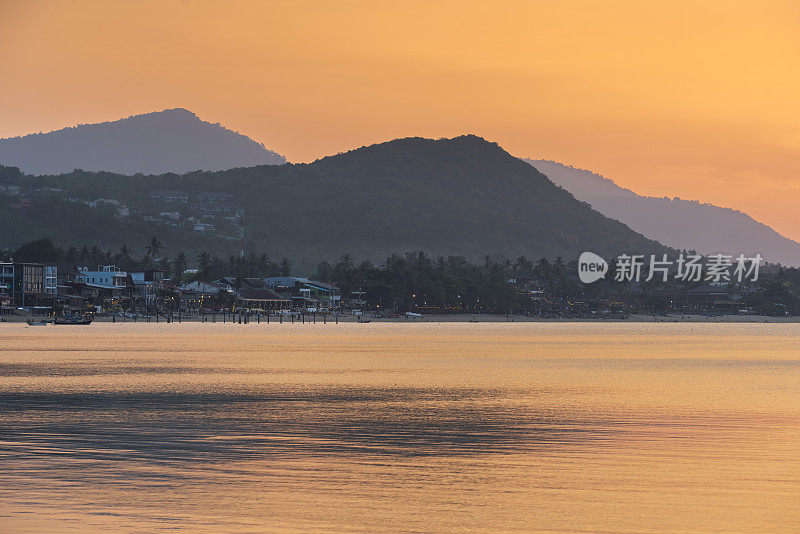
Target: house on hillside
x,y
203,227
8,189
169,196
21,204
216,203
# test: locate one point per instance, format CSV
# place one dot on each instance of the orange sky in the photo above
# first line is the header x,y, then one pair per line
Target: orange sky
x,y
695,99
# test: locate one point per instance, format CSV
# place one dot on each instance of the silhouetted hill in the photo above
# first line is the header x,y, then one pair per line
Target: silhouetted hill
x,y
685,224
174,140
462,196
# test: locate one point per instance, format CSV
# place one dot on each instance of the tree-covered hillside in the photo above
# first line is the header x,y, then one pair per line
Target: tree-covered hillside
x,y
463,196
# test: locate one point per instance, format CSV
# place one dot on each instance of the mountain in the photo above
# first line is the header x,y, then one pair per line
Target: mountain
x,y
684,224
174,140
462,196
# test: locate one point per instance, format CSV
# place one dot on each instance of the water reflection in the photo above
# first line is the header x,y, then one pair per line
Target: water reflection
x,y
287,423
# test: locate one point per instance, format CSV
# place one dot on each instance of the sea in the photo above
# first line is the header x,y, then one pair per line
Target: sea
x,y
400,427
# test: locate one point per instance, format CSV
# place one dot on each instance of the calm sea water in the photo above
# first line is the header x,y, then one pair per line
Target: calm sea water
x,y
399,427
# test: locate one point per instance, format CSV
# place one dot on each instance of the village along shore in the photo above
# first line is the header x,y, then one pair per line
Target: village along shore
x,y
324,319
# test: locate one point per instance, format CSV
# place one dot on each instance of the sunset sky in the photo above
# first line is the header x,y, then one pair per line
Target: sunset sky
x,y
698,99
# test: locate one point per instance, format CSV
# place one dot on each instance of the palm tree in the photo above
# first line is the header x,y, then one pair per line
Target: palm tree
x,y
203,261
154,248
180,264
286,267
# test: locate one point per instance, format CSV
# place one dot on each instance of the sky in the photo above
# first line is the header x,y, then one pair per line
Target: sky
x,y
691,99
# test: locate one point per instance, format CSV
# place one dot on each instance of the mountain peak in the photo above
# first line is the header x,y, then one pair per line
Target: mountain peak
x,y
171,113
171,140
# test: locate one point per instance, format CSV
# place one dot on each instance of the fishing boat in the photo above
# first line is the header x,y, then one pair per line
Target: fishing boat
x,y
37,322
73,319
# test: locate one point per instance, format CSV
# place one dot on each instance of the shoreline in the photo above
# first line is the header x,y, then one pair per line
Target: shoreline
x,y
453,318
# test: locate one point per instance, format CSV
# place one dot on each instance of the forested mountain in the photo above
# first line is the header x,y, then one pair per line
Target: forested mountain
x,y
673,221
462,196
174,140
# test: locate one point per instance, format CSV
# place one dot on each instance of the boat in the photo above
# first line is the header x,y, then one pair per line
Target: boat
x,y
73,319
37,322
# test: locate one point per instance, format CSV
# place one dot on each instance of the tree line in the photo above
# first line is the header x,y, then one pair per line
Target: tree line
x,y
417,281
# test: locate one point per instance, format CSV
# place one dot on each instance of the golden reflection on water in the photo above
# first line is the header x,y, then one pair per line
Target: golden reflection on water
x,y
400,427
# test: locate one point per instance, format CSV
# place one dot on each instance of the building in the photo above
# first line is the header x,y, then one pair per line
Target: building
x,y
145,285
305,293
202,227
21,204
7,278
171,215
105,275
255,295
99,201
216,203
197,295
106,286
9,189
6,287
169,196
35,284
706,297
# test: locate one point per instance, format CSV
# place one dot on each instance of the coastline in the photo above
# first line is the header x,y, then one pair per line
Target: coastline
x,y
458,318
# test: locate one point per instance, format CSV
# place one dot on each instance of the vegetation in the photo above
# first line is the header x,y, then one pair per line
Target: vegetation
x,y
415,281
450,197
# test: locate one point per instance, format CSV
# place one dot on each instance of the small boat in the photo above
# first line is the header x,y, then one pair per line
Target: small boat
x,y
37,322
73,319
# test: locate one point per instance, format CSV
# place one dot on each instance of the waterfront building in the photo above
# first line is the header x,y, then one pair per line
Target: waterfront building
x,y
305,293
35,284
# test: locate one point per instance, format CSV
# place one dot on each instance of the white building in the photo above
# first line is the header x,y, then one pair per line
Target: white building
x,y
50,279
203,227
106,275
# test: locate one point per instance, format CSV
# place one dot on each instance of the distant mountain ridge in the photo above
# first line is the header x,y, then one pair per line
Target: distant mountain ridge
x,y
173,140
684,224
463,197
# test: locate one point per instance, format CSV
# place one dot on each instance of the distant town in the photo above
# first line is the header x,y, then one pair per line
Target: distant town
x,y
207,212
40,278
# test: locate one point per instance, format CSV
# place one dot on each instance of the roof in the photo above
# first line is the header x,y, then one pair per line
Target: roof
x,y
93,286
288,281
708,288
249,293
203,287
168,192
216,196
